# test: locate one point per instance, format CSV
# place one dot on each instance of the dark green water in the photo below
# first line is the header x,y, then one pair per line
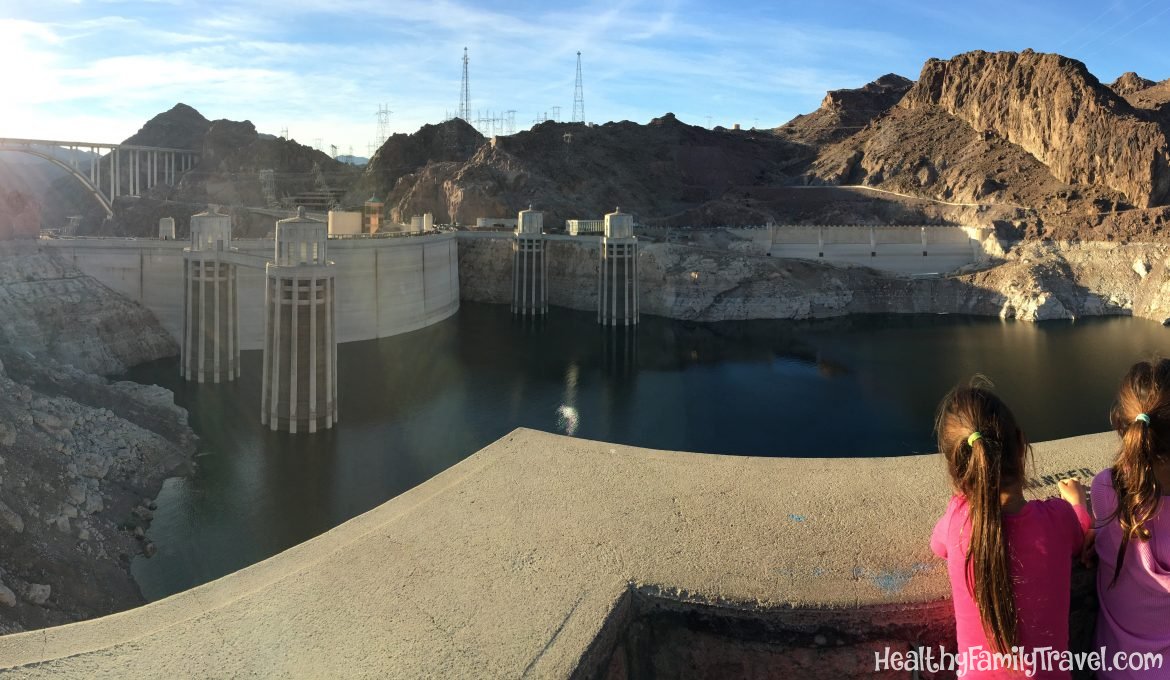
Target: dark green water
x,y
415,404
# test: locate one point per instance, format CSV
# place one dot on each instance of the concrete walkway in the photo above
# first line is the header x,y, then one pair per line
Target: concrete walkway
x,y
510,563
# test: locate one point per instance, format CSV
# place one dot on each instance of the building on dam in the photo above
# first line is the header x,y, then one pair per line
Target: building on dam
x,y
299,391
211,328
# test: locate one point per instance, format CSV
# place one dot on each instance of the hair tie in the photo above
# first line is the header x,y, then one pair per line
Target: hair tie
x,y
973,437
1142,417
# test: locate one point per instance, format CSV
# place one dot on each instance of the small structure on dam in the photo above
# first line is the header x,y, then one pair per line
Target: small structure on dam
x,y
529,265
617,279
372,216
166,229
211,329
299,391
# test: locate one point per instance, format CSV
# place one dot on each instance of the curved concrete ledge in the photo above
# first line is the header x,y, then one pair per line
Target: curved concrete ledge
x,y
525,559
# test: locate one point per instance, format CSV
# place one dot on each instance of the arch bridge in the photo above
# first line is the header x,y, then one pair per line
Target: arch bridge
x,y
129,168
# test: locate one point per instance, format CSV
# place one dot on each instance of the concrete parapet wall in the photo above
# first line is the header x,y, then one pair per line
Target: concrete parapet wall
x,y
549,556
385,286
903,249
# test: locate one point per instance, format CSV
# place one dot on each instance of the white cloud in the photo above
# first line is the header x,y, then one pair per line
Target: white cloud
x,y
322,70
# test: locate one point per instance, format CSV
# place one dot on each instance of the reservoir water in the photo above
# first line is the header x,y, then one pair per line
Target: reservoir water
x,y
413,405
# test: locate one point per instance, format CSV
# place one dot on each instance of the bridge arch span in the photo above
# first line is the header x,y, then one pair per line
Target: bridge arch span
x,y
106,204
129,168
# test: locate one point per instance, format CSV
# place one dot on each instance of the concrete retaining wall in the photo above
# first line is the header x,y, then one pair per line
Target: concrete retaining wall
x,y
385,286
903,249
547,556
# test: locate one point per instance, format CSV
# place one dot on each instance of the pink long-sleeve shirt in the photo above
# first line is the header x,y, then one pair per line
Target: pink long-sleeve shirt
x,y
1135,612
1042,540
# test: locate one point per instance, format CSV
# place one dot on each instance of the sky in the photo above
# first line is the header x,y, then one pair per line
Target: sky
x,y
96,70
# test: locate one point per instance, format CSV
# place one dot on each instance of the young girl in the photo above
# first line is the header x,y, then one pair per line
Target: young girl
x,y
1133,524
1009,560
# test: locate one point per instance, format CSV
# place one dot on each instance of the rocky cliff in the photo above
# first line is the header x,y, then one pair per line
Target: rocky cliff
x,y
1053,108
50,309
570,170
452,141
1032,281
80,457
843,112
1129,82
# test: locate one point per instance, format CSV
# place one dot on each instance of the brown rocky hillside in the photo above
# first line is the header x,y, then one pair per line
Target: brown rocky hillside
x,y
450,141
1053,108
232,154
843,112
1029,141
571,170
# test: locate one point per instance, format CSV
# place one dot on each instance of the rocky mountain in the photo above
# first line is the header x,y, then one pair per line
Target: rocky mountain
x,y
570,170
1054,109
843,112
233,163
1129,82
182,127
1032,141
450,141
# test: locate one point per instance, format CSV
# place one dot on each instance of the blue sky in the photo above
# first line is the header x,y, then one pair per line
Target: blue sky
x,y
95,70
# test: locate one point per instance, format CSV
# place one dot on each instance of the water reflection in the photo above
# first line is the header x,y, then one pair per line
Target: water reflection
x,y
415,404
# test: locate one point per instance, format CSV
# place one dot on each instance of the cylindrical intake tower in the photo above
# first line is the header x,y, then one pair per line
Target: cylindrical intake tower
x,y
529,265
211,328
617,278
300,340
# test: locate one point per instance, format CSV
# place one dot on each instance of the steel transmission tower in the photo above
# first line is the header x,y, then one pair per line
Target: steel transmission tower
x,y
383,124
465,93
578,95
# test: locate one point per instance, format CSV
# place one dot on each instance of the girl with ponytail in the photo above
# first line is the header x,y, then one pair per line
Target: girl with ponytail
x,y
1133,523
1009,560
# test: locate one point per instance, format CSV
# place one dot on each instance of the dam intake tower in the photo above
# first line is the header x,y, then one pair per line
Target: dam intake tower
x,y
529,265
617,284
299,392
211,325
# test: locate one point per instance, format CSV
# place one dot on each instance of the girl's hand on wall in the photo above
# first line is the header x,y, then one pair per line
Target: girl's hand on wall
x,y
1072,491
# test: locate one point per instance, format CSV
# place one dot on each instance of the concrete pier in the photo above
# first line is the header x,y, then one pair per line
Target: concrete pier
x,y
300,348
529,266
211,311
617,299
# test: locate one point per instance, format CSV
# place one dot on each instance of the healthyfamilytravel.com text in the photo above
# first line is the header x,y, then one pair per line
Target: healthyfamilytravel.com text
x,y
1028,661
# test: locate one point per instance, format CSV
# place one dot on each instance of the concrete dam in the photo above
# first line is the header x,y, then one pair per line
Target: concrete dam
x,y
385,286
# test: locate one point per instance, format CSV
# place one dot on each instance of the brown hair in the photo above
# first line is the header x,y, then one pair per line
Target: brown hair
x,y
1145,389
980,468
